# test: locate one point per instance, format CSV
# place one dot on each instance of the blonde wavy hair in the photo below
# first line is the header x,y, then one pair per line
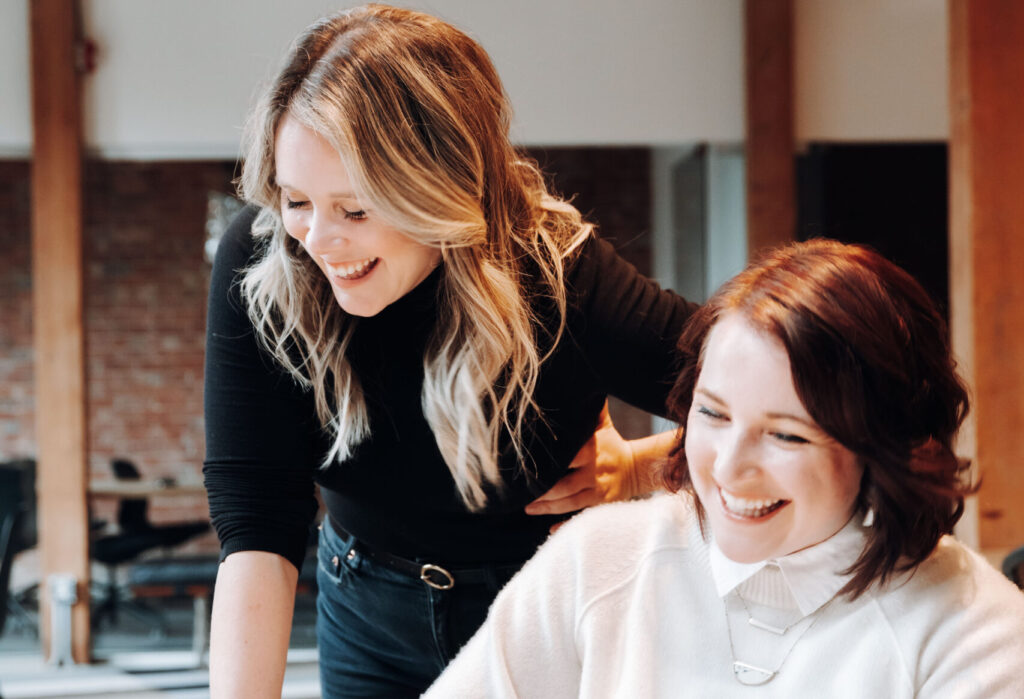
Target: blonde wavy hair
x,y
420,120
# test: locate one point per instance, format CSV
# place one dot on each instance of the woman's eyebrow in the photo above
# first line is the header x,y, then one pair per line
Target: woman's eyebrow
x,y
334,195
795,418
709,394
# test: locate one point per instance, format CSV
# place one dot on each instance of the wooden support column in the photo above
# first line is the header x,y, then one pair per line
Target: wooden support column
x,y
987,250
771,188
57,292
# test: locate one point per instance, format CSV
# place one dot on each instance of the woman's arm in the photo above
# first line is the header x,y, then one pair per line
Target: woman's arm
x,y
251,625
963,622
625,328
260,457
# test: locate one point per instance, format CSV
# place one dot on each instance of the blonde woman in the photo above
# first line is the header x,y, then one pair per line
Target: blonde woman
x,y
406,317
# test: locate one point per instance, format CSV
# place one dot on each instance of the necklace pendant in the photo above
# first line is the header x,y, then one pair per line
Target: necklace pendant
x,y
758,624
751,675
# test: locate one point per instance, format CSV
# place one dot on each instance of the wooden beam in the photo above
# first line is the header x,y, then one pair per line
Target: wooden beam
x,y
57,292
771,188
987,250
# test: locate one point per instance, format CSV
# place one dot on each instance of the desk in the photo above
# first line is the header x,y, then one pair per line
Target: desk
x,y
145,489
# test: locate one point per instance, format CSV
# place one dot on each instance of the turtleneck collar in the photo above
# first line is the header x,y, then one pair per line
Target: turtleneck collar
x,y
416,306
810,577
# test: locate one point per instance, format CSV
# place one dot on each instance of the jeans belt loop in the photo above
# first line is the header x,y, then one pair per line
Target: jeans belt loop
x,y
428,569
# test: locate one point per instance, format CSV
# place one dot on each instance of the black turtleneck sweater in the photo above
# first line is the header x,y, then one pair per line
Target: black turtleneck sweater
x,y
264,443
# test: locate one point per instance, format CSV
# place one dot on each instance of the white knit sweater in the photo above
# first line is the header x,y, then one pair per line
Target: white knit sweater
x,y
623,602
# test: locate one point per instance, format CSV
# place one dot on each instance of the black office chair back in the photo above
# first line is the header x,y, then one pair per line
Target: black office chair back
x,y
19,483
124,470
132,513
11,496
11,514
1013,566
9,524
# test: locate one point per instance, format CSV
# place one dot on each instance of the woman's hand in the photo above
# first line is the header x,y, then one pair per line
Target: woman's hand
x,y
604,470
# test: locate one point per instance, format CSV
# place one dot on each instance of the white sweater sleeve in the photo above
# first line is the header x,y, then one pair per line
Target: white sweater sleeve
x,y
976,650
527,646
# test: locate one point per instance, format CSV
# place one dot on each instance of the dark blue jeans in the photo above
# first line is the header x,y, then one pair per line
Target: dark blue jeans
x,y
382,633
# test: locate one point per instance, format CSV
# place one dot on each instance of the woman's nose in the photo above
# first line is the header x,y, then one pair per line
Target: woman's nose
x,y
735,459
322,236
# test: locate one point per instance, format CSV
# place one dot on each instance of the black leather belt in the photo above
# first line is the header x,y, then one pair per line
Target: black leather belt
x,y
436,576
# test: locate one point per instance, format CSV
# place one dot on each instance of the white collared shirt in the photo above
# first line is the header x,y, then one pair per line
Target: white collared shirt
x,y
793,581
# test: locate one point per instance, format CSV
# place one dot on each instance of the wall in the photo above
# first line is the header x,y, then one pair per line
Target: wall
x,y
871,70
657,72
145,314
15,117
578,71
146,286
17,433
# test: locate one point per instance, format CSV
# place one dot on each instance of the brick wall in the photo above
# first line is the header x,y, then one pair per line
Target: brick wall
x,y
146,284
17,433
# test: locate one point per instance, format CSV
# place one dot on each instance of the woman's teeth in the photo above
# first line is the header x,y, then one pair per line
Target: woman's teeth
x,y
749,508
353,270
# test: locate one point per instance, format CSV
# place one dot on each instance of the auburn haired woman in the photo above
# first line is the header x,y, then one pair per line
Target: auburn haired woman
x,y
405,316
810,553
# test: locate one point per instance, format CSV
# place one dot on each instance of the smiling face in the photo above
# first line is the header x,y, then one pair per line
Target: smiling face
x,y
771,481
370,264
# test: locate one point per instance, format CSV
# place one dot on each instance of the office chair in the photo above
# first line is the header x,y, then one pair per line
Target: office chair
x,y
136,536
1013,566
11,516
17,534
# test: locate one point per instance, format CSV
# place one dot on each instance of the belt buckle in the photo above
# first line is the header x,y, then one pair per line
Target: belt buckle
x,y
430,568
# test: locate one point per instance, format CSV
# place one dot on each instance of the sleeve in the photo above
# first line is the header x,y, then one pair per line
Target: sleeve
x,y
527,647
626,327
261,432
976,648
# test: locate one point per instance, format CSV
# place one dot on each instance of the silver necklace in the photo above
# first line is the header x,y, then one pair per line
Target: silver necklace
x,y
752,675
763,625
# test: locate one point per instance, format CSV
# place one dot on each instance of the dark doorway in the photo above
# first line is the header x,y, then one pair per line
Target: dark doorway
x,y
892,197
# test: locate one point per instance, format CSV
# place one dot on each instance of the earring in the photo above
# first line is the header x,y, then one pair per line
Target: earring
x,y
869,517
